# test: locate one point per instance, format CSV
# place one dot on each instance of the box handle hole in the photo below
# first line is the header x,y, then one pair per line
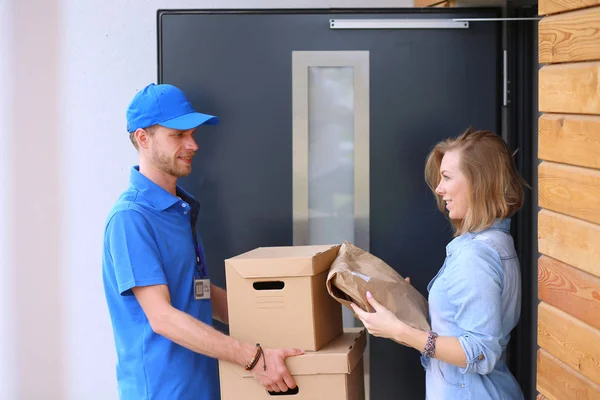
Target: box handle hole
x,y
268,285
290,392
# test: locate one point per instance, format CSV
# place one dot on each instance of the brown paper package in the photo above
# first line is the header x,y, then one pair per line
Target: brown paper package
x,y
356,271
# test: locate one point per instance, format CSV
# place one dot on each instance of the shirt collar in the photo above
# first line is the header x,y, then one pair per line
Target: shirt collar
x,y
157,196
499,225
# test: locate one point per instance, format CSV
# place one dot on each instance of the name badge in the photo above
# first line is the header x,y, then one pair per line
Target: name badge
x,y
201,289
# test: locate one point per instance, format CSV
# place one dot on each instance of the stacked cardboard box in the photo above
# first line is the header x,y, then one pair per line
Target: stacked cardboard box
x,y
277,297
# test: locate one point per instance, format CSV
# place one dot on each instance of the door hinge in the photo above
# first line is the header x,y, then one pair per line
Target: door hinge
x,y
505,80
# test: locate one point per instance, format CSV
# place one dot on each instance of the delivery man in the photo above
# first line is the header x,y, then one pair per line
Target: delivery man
x,y
157,286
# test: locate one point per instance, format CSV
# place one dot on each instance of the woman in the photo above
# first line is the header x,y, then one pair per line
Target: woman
x,y
475,298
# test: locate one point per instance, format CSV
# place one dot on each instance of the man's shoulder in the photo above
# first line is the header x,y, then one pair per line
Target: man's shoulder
x,y
130,203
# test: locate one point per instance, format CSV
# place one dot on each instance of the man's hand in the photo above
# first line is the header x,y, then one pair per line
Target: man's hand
x,y
276,377
218,297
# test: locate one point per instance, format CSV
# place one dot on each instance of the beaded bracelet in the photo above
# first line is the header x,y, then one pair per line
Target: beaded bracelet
x,y
429,350
255,358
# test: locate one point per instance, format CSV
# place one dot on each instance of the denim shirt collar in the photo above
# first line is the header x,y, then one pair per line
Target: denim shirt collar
x,y
500,225
157,196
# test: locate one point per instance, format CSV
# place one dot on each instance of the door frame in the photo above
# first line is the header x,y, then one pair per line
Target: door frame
x,y
521,133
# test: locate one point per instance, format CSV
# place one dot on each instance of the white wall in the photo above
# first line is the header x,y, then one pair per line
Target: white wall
x,y
69,69
7,304
33,318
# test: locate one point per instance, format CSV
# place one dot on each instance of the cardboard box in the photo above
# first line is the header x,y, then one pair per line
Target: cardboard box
x,y
277,297
332,373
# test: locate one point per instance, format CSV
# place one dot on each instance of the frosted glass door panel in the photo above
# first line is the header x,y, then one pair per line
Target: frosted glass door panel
x,y
330,147
330,155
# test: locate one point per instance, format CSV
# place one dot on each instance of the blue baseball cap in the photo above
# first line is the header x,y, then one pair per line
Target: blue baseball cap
x,y
164,105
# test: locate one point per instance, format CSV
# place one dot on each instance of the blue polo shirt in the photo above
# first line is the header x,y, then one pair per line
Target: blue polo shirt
x,y
148,241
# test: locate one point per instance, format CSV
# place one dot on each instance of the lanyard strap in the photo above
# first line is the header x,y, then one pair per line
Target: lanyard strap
x,y
200,265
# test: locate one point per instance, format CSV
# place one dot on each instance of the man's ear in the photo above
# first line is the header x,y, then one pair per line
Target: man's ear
x,y
142,138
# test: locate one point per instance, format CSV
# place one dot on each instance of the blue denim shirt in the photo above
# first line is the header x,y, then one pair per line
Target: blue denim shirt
x,y
476,297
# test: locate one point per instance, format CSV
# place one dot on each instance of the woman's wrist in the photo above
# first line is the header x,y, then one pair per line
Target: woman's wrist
x,y
429,350
412,337
404,333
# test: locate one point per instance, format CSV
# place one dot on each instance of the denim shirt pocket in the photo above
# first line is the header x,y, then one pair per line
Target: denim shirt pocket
x,y
450,375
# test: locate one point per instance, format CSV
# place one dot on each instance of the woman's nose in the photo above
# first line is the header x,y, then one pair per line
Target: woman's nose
x,y
439,189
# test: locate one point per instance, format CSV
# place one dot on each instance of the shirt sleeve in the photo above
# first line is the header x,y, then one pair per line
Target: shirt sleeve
x,y
475,286
134,252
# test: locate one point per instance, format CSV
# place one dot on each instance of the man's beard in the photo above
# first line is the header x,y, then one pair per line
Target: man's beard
x,y
169,164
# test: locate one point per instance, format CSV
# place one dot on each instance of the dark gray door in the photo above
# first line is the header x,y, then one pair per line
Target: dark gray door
x,y
425,85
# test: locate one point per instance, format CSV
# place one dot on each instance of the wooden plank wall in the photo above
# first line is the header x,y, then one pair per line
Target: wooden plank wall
x,y
568,363
435,3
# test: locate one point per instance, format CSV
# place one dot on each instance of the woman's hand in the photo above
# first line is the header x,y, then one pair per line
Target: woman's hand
x,y
382,322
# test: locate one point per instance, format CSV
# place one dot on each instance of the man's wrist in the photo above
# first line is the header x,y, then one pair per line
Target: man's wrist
x,y
244,353
255,358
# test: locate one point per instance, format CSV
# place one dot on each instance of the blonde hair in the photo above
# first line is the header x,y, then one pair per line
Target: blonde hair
x,y
496,189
